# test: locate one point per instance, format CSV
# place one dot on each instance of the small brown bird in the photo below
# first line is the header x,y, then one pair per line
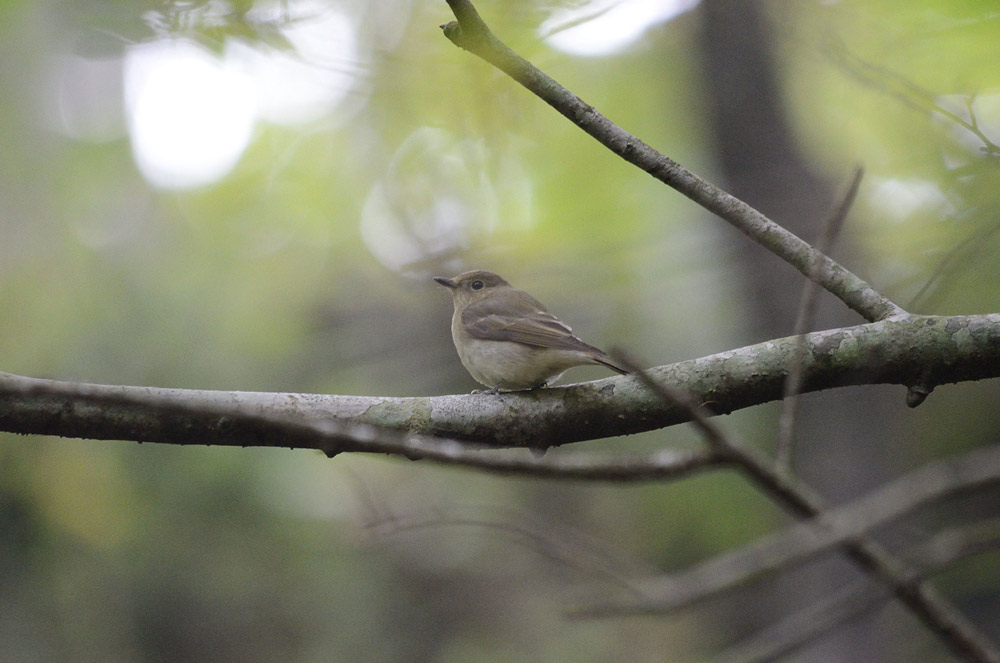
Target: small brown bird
x,y
507,340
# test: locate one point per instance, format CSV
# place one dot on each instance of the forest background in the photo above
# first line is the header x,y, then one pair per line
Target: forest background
x,y
254,196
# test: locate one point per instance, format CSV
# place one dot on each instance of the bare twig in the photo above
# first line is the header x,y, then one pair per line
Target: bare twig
x,y
803,625
957,543
829,529
806,624
664,465
974,248
561,543
698,415
804,320
471,33
909,93
796,497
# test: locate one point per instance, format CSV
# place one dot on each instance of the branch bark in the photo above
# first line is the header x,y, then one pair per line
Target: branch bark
x,y
181,416
917,351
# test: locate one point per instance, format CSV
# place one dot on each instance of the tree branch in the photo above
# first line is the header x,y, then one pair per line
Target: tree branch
x,y
832,528
917,350
842,527
244,419
472,34
805,624
845,527
804,321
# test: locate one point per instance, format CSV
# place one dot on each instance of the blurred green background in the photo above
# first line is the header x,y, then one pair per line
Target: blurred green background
x,y
254,195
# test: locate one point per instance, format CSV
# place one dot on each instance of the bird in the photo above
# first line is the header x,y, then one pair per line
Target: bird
x,y
506,338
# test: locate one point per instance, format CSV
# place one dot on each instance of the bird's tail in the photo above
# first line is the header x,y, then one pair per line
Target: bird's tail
x,y
605,360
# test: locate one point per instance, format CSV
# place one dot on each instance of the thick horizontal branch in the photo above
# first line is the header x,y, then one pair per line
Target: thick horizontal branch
x,y
472,34
181,416
919,352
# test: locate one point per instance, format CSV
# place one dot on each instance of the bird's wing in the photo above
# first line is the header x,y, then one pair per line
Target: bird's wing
x,y
529,324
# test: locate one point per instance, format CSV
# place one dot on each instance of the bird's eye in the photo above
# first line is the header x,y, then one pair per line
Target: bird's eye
x,y
477,285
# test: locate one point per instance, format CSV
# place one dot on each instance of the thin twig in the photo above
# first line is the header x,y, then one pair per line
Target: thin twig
x,y
672,397
806,315
471,33
954,544
968,252
662,465
844,525
806,624
909,93
560,543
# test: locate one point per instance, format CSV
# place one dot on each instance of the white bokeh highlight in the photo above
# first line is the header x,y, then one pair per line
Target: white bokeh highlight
x,y
190,114
605,27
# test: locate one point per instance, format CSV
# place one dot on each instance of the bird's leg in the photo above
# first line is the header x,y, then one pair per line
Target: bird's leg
x,y
492,391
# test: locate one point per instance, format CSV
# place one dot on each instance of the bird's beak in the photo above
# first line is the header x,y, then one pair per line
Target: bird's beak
x,y
448,283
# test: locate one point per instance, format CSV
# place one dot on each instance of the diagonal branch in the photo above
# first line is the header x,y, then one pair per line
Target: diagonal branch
x,y
828,529
845,527
472,34
804,625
